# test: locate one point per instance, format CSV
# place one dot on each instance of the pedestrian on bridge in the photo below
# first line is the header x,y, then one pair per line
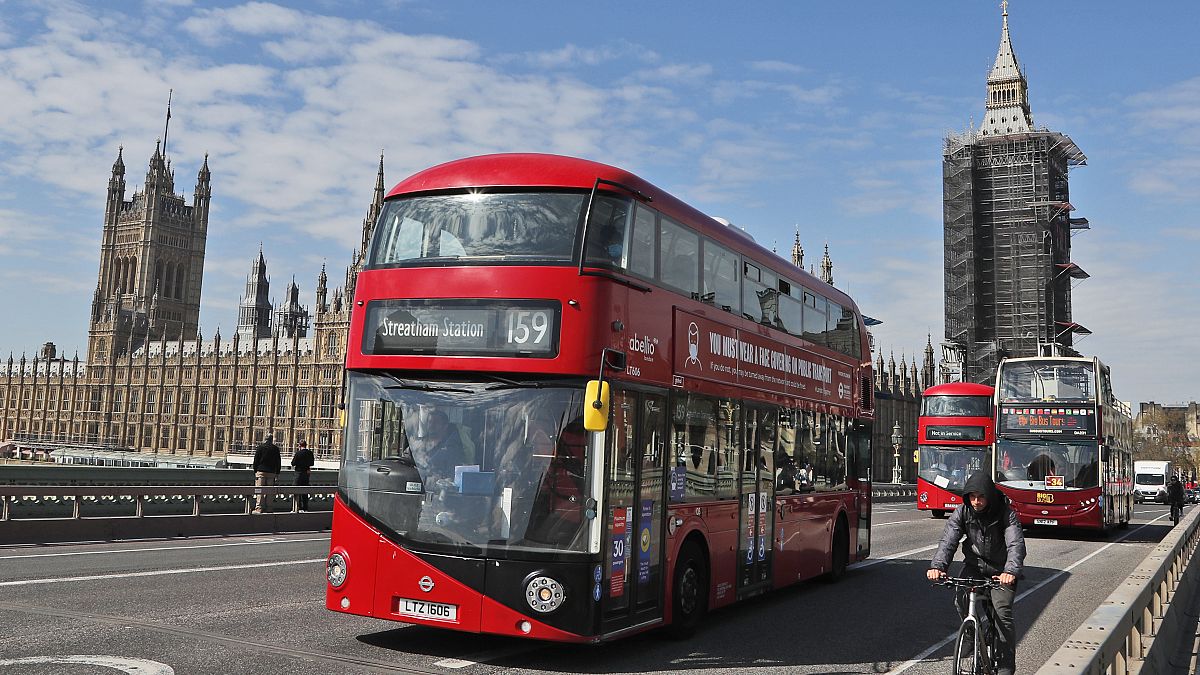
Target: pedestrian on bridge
x,y
994,548
302,462
266,471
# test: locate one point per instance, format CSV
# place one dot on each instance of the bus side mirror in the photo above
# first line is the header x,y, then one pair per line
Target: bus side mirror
x,y
595,406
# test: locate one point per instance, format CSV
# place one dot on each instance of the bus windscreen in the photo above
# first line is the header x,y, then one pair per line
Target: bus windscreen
x,y
482,228
1021,462
468,467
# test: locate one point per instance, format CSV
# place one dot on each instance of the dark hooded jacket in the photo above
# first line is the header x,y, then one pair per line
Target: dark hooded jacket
x,y
994,542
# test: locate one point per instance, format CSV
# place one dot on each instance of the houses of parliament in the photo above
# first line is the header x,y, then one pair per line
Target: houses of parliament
x,y
151,384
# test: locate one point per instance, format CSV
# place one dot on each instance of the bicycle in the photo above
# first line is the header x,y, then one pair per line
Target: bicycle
x,y
976,651
1176,513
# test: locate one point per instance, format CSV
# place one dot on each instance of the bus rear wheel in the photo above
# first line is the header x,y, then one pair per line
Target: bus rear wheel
x,y
938,513
689,596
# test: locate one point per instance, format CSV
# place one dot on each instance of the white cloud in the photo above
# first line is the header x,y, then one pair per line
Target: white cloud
x,y
571,55
779,67
1173,178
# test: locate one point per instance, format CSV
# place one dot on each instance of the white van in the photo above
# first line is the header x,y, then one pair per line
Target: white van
x,y
1150,481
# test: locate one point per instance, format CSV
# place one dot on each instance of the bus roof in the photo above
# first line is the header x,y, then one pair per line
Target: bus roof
x,y
959,389
524,170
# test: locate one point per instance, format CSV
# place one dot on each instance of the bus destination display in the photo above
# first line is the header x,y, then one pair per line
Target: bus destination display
x,y
1069,421
461,328
954,433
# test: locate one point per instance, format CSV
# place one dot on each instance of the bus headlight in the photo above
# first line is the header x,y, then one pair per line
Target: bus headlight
x,y
335,570
544,594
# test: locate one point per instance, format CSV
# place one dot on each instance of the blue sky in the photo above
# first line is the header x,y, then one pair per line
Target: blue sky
x,y
828,117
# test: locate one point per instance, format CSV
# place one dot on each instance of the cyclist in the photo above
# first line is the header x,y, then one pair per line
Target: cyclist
x,y
995,548
1175,497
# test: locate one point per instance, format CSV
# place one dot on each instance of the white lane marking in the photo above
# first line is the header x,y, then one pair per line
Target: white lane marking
x,y
950,638
897,522
454,663
894,556
130,666
155,573
162,548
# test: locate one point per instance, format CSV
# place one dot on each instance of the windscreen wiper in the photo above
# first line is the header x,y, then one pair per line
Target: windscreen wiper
x,y
426,386
423,386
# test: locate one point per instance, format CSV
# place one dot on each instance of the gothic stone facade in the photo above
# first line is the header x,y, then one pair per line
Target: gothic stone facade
x,y
151,383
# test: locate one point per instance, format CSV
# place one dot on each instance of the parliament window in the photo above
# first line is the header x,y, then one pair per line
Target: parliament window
x,y
327,397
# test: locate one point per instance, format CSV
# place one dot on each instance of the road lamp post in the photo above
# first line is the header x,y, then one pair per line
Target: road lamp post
x,y
897,439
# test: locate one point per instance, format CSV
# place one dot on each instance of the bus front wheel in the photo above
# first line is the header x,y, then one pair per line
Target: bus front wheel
x,y
839,557
938,513
689,596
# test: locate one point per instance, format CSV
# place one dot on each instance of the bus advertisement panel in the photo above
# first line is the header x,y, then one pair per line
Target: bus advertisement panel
x,y
1063,443
954,440
577,408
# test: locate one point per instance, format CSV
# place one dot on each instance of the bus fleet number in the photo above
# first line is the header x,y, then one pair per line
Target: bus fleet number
x,y
528,327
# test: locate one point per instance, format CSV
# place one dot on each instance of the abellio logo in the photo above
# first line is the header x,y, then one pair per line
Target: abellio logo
x,y
643,345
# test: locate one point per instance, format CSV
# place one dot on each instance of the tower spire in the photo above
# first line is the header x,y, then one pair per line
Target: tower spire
x,y
1007,109
375,208
798,251
167,125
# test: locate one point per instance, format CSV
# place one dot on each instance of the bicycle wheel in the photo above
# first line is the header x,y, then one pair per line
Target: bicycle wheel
x,y
966,651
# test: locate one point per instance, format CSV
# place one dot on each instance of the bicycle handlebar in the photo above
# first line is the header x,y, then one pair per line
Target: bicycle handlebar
x,y
963,582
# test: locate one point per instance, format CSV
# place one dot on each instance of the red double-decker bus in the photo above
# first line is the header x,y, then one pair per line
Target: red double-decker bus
x,y
1063,443
577,408
955,433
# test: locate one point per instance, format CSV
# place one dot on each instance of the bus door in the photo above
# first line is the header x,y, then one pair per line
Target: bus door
x,y
757,480
629,580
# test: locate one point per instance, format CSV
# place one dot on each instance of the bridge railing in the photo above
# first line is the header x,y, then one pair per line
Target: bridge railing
x,y
1144,625
32,514
149,500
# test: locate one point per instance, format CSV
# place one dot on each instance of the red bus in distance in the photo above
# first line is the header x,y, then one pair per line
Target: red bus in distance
x,y
954,440
1064,443
502,297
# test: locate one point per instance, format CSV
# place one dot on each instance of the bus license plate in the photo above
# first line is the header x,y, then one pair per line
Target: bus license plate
x,y
1044,521
423,609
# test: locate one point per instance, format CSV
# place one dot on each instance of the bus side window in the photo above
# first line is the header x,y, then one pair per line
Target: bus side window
x,y
730,413
679,258
720,278
606,233
695,438
814,318
642,253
